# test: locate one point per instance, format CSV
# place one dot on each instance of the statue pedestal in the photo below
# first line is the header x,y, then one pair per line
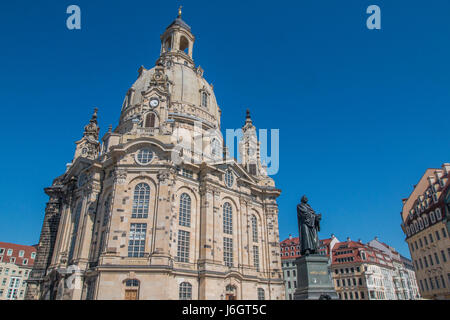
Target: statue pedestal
x,y
313,280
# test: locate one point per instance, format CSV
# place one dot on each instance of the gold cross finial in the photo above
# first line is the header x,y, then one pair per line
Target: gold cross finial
x,y
179,11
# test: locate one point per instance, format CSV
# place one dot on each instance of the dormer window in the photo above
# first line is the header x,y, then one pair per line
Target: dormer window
x,y
432,217
438,214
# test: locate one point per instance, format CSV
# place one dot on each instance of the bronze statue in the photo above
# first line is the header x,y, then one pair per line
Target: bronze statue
x,y
308,227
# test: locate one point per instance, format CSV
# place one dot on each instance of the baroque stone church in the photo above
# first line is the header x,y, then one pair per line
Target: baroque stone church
x,y
144,214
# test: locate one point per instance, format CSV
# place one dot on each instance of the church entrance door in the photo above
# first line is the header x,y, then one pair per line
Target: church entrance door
x,y
131,294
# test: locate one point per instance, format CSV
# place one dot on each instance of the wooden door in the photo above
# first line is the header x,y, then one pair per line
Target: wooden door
x,y
130,294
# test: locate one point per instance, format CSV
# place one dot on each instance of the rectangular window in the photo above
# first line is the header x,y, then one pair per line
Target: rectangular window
x,y
183,246
437,236
436,258
136,245
21,253
443,281
443,256
33,255
431,237
431,260
444,234
256,257
228,251
10,252
2,251
437,282
431,284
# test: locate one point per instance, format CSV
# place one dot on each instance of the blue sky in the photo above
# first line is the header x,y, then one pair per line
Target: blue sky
x,y
362,113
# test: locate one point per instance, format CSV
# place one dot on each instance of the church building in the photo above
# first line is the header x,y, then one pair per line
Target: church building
x,y
152,211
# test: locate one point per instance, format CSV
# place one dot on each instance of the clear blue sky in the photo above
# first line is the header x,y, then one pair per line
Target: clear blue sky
x,y
361,113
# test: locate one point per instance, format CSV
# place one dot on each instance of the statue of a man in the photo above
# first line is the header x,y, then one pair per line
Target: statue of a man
x,y
308,227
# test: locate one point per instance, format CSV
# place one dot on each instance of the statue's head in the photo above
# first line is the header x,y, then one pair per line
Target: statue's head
x,y
304,199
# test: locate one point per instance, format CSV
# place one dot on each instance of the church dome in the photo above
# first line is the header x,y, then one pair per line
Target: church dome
x,y
175,80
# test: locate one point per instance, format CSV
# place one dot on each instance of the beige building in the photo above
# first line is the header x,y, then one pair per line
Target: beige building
x,y
425,223
16,262
159,210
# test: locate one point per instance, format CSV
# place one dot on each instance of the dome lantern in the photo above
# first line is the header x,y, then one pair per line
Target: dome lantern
x,y
177,42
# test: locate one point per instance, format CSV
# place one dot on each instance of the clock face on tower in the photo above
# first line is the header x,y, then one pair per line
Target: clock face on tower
x,y
154,102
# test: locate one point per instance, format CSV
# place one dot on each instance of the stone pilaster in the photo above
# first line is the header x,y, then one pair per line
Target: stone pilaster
x,y
46,244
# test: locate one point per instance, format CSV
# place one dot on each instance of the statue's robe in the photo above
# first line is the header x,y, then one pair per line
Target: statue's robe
x,y
309,239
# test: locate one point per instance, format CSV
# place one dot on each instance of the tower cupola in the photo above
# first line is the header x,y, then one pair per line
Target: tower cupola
x,y
177,42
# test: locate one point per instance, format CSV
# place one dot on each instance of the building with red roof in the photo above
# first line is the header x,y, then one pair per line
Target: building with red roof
x,y
290,251
16,262
426,224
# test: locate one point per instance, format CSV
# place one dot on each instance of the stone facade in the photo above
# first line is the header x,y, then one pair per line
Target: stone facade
x,y
159,210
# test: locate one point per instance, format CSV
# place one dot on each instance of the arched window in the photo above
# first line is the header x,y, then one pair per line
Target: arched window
x,y
185,210
185,292
255,228
204,99
107,210
184,45
261,294
215,148
227,218
168,44
150,120
141,201
229,179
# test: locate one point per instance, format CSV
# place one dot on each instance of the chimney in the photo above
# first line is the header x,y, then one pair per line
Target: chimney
x,y
332,236
376,238
359,241
348,239
290,236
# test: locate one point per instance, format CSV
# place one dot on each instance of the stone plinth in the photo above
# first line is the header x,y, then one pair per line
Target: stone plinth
x,y
313,280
